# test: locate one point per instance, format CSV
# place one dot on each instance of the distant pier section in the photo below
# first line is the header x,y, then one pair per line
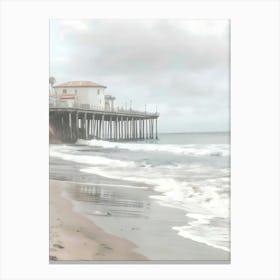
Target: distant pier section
x,y
81,110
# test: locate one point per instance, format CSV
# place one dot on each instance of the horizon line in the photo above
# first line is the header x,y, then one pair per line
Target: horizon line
x,y
170,132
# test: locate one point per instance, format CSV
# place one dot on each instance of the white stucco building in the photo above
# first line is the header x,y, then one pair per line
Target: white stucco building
x,y
85,94
67,100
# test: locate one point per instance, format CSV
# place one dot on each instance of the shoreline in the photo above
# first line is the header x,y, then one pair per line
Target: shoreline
x,y
74,237
127,210
96,239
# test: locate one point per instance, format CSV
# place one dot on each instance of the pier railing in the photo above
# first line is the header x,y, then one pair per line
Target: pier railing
x,y
99,109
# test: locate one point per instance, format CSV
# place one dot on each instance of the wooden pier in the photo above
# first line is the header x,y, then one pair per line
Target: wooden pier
x,y
70,124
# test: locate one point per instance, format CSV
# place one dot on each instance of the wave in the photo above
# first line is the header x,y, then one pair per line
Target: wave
x,y
200,230
202,200
91,160
189,149
179,185
88,186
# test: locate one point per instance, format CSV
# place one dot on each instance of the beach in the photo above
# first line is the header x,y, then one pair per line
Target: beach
x,y
74,237
140,201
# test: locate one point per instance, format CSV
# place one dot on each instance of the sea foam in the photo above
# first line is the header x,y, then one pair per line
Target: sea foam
x,y
189,149
91,160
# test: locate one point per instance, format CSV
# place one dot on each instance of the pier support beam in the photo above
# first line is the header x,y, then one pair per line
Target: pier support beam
x,y
77,125
85,126
142,128
99,129
61,129
136,129
74,127
70,135
143,125
133,128
118,128
103,132
92,125
88,127
63,125
152,128
147,130
126,134
108,129
121,122
156,130
115,129
111,134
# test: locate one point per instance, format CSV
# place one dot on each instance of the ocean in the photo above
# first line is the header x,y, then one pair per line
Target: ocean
x,y
119,183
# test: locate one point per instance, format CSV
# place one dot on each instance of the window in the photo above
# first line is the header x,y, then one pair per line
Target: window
x,y
98,91
64,90
76,91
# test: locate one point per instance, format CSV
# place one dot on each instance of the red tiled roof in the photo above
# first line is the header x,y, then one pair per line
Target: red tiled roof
x,y
67,96
79,84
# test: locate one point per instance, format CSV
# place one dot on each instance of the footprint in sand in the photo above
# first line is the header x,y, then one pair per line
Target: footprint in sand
x,y
58,246
105,246
102,249
53,258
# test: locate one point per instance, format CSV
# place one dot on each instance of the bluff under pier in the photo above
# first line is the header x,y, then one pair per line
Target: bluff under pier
x,y
70,124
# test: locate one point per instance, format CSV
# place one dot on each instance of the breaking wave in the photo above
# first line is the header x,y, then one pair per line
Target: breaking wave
x,y
189,149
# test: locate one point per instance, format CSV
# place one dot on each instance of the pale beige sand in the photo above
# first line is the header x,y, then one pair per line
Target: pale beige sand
x,y
74,237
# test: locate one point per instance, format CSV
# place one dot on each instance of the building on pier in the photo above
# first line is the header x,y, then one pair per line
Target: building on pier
x,y
68,100
86,94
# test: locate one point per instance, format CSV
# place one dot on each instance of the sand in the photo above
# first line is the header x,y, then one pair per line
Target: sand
x,y
73,237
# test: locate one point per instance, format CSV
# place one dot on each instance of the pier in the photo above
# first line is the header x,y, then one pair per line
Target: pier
x,y
72,123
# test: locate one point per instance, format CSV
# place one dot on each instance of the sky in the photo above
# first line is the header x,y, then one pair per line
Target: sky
x,y
179,68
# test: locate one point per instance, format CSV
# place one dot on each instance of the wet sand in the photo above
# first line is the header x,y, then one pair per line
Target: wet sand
x,y
133,230
131,213
73,237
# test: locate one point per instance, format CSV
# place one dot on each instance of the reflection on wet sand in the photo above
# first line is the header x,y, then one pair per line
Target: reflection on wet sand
x,y
105,201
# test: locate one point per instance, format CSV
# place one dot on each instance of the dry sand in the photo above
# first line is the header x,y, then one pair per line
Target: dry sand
x,y
74,237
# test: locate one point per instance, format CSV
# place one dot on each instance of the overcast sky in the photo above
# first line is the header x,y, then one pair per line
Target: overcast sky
x,y
180,67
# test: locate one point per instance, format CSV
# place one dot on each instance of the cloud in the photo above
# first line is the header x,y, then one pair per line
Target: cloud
x,y
182,64
128,48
